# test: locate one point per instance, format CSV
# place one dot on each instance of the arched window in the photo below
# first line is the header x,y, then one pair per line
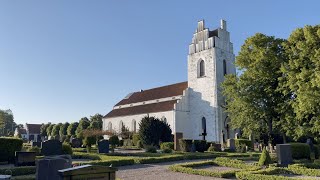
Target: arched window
x,y
224,67
109,126
164,119
201,69
120,126
204,125
134,126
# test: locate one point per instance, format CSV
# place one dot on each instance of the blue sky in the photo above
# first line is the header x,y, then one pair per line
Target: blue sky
x,y
63,60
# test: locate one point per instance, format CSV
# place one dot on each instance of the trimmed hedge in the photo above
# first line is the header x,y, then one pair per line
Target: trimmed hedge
x,y
114,163
185,145
268,174
81,155
299,169
240,142
300,150
235,163
18,171
8,147
188,168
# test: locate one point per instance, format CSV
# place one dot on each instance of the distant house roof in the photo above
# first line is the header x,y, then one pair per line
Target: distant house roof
x,y
142,109
155,93
33,128
22,131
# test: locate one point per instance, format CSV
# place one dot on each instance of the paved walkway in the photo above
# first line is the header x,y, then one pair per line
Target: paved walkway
x,y
157,171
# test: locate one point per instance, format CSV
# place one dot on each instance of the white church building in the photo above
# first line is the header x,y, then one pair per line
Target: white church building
x,y
193,108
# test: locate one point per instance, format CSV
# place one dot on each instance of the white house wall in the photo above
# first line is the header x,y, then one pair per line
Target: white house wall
x,y
127,120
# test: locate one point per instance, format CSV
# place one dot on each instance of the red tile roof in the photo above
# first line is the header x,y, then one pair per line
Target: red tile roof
x,y
33,128
142,109
155,93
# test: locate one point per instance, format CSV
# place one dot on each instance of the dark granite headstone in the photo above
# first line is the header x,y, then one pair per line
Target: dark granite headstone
x,y
47,168
103,146
309,142
51,147
75,142
25,158
284,154
38,144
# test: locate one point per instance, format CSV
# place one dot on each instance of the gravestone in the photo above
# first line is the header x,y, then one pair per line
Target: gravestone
x,y
51,147
75,142
284,154
38,144
103,146
47,168
25,158
231,144
309,142
89,172
177,136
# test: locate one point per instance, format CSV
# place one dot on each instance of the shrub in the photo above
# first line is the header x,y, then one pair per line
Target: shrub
x,y
316,150
300,150
167,150
35,149
18,171
127,142
211,148
120,142
66,148
152,130
185,145
167,145
151,149
8,147
200,145
265,158
113,140
240,143
139,144
135,139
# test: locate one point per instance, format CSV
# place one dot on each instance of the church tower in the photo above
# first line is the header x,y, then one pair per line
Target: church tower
x,y
210,59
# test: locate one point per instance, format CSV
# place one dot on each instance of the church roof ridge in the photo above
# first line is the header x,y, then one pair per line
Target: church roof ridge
x,y
155,93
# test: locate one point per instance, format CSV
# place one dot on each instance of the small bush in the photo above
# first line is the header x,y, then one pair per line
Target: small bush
x,y
135,139
316,150
151,149
211,148
185,145
19,171
120,142
300,150
127,142
35,149
167,150
114,141
167,145
265,158
8,147
240,143
66,148
200,145
139,144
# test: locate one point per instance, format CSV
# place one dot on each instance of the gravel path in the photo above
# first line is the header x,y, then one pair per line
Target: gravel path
x,y
156,171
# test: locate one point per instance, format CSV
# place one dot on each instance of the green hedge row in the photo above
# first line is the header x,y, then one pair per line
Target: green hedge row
x,y
300,150
267,174
235,163
298,169
241,143
167,145
8,147
114,163
18,171
81,155
188,168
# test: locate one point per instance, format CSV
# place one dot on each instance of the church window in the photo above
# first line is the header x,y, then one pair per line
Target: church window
x,y
204,125
109,126
224,67
164,119
201,69
134,125
120,126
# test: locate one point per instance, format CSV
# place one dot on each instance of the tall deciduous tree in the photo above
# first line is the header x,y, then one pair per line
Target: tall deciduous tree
x,y
55,130
97,118
71,131
253,98
84,123
7,124
63,129
43,129
49,129
301,82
